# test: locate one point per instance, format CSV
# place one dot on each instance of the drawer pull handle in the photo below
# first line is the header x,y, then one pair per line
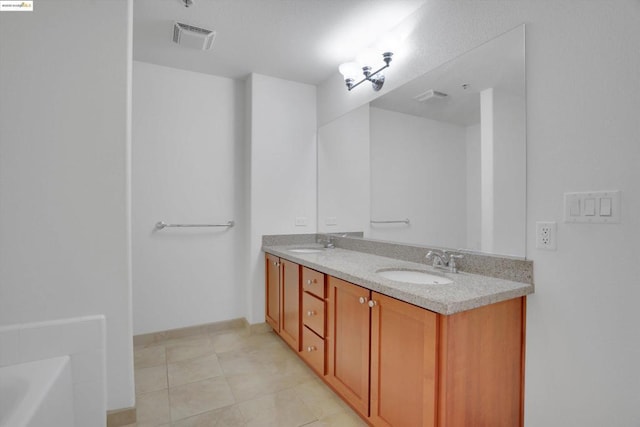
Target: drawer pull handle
x,y
310,313
362,300
311,348
311,281
373,303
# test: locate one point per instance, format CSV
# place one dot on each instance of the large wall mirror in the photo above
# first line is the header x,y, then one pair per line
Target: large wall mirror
x,y
439,162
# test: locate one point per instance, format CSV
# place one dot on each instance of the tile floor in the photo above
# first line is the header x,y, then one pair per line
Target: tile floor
x,y
232,378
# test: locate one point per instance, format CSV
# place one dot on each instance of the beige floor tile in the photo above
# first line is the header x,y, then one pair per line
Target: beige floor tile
x,y
192,370
151,379
188,348
340,419
319,398
224,417
271,358
250,386
150,356
202,396
242,340
282,409
153,408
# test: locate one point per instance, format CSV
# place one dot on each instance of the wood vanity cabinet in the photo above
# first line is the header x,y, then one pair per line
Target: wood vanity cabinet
x,y
290,304
313,315
382,356
272,297
348,343
401,365
282,311
398,364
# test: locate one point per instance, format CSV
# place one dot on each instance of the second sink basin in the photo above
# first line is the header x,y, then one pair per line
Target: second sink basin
x,y
414,276
306,250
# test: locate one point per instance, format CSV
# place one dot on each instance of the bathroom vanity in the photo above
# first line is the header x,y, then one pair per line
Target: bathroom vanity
x,y
402,354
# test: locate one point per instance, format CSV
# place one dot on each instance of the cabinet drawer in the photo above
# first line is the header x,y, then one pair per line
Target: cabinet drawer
x,y
313,350
313,313
313,282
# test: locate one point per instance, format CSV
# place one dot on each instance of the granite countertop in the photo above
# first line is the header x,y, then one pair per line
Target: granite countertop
x,y
467,291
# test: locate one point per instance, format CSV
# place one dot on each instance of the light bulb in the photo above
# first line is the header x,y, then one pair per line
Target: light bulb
x,y
350,70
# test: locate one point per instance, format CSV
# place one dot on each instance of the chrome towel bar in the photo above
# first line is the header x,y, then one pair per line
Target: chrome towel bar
x,y
399,221
161,224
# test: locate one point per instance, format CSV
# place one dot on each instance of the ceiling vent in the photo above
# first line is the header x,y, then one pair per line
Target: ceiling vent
x,y
430,94
194,37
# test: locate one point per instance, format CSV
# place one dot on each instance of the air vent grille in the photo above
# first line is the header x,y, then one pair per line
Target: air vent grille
x,y
430,94
194,37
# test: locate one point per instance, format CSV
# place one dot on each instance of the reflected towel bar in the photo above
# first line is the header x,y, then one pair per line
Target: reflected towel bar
x,y
161,224
400,221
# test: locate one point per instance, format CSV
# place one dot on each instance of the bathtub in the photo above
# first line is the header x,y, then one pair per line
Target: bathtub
x,y
37,394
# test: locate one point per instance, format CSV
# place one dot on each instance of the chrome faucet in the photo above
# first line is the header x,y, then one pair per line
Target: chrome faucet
x,y
444,260
328,242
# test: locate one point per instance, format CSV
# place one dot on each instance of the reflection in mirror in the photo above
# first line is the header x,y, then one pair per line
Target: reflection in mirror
x,y
445,151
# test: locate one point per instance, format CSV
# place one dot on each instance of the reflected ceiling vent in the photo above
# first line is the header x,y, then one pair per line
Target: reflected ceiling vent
x,y
430,94
194,37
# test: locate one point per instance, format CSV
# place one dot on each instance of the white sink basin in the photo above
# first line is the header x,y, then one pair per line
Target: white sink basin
x,y
306,250
413,276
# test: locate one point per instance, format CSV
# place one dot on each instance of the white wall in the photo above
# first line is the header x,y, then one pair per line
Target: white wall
x,y
187,128
344,173
583,103
64,214
282,159
415,164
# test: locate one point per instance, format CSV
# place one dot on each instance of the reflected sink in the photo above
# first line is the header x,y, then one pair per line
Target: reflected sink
x,y
306,250
413,276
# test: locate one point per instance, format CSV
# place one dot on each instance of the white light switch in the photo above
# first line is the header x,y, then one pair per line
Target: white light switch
x,y
605,206
574,209
592,207
589,207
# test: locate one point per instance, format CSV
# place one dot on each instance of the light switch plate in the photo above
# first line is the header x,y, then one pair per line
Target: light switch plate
x,y
331,220
592,207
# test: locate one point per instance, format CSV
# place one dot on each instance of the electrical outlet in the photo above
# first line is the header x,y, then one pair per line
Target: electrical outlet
x,y
546,235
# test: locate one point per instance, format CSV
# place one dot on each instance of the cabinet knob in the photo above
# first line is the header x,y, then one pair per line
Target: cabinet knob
x,y
362,300
311,281
373,303
310,313
311,348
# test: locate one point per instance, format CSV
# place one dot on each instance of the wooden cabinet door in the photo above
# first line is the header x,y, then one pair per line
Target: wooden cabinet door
x,y
290,304
348,343
272,298
481,377
403,363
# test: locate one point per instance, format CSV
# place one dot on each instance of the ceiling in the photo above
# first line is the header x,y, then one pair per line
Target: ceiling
x,y
498,64
300,40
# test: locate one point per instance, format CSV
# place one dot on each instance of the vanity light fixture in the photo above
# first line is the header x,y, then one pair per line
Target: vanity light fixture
x,y
351,70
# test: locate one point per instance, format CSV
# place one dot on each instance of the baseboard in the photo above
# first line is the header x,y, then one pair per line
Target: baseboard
x,y
121,417
239,323
258,328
